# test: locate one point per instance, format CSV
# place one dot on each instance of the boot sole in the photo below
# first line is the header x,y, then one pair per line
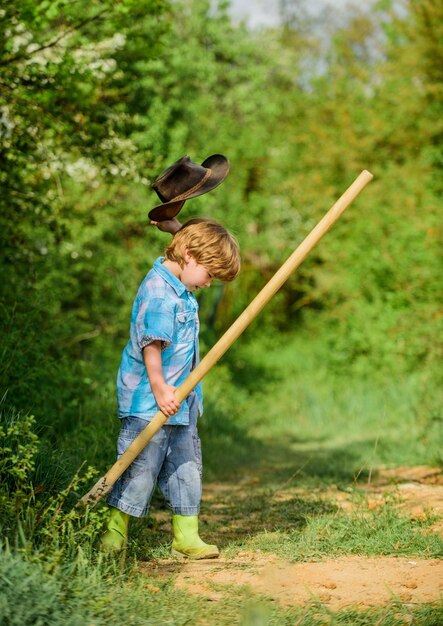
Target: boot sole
x,y
182,555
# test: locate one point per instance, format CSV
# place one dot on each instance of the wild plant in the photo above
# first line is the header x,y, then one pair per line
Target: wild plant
x,y
41,523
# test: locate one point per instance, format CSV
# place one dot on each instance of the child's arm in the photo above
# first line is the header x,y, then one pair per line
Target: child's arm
x,y
163,393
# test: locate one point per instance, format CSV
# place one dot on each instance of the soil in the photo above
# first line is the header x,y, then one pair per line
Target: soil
x,y
338,583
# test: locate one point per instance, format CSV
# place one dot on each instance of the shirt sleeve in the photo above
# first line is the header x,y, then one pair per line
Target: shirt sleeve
x,y
155,322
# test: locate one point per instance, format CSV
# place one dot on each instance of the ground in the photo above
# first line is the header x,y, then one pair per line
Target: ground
x,y
337,582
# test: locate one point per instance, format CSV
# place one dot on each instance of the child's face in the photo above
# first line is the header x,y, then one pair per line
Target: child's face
x,y
193,275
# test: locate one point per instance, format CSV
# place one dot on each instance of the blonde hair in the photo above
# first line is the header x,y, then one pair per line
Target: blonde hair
x,y
210,244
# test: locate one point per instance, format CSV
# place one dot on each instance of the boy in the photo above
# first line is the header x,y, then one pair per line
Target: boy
x,y
161,352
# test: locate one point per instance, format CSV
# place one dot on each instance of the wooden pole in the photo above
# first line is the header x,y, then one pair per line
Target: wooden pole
x,y
104,485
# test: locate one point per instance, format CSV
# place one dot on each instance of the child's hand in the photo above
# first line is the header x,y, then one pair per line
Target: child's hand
x,y
166,400
168,226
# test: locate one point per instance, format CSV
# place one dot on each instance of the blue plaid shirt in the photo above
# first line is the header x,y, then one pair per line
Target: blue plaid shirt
x,y
166,311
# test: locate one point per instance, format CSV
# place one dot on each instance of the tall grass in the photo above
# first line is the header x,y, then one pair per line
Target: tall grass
x,y
282,401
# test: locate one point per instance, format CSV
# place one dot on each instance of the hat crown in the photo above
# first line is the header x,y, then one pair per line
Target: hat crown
x,y
178,179
185,179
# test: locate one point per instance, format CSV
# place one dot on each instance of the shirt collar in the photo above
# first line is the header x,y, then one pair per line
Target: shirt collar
x,y
169,277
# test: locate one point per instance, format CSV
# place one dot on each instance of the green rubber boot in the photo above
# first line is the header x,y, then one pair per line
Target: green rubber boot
x,y
187,541
115,537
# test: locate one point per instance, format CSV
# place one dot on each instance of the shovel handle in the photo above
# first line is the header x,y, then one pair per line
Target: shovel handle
x,y
105,483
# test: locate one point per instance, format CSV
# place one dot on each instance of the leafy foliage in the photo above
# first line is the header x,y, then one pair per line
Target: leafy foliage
x,y
98,98
49,528
18,446
95,100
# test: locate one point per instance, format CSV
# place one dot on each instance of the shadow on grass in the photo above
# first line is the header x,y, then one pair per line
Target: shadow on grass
x,y
230,453
246,483
247,513
246,375
229,519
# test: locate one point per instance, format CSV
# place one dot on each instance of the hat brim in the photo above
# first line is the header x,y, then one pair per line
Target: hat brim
x,y
219,166
166,211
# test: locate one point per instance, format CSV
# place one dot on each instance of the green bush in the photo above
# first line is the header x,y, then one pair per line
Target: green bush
x,y
29,596
18,448
41,521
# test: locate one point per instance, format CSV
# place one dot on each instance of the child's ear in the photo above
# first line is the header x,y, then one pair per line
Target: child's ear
x,y
187,256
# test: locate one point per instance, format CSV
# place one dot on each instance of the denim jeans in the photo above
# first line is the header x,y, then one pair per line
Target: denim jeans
x,y
172,459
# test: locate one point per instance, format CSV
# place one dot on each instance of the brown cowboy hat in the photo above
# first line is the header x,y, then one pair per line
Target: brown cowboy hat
x,y
185,179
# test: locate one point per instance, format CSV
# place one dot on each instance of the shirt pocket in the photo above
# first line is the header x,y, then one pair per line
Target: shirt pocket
x,y
186,326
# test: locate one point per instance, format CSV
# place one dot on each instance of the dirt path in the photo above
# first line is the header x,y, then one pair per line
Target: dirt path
x,y
337,583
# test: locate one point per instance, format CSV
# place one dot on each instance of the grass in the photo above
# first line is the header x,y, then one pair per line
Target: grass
x,y
289,410
296,525
283,436
82,593
361,533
